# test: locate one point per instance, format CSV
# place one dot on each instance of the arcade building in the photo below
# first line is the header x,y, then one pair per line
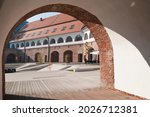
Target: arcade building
x,y
60,38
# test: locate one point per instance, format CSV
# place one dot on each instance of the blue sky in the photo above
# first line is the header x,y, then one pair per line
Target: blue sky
x,y
42,15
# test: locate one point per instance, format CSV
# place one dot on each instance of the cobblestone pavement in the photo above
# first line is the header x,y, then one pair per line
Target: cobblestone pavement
x,y
60,85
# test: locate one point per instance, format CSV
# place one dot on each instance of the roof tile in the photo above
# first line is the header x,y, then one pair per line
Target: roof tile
x,y
43,29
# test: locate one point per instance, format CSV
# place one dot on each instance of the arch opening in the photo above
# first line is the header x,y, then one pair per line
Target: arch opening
x,y
52,41
98,31
69,39
78,38
27,44
68,56
55,56
85,36
38,57
45,42
32,43
38,43
60,40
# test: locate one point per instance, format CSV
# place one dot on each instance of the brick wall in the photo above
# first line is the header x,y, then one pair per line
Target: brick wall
x,y
76,49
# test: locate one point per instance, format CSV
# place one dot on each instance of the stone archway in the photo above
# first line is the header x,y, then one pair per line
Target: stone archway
x,y
55,56
38,57
94,25
68,56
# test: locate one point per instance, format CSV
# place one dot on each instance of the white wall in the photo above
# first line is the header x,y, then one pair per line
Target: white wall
x,y
87,31
132,73
56,37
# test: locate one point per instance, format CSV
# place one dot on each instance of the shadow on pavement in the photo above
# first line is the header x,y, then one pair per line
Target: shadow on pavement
x,y
18,97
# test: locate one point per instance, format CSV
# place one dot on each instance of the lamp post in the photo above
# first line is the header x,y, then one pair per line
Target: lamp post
x,y
48,49
24,56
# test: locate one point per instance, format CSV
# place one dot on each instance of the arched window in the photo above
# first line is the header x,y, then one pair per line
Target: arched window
x,y
52,41
38,43
60,40
85,36
22,44
27,44
17,45
45,42
78,38
91,36
33,43
69,39
13,46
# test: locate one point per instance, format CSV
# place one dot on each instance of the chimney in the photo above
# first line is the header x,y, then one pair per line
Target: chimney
x,y
41,19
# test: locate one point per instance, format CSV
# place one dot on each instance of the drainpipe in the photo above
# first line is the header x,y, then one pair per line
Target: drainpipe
x,y
24,56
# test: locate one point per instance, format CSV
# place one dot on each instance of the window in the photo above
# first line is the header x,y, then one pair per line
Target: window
x,y
17,45
46,31
85,36
54,30
33,34
69,39
40,33
27,35
12,46
52,41
60,40
23,35
45,42
19,36
22,44
27,44
33,43
72,27
78,38
91,36
38,43
64,28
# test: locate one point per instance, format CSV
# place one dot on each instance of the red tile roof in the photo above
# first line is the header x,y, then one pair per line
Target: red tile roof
x,y
49,31
53,20
55,25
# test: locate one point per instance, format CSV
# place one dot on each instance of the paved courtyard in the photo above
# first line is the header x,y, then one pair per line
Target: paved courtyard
x,y
59,85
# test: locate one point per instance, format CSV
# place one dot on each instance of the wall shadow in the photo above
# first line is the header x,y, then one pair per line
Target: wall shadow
x,y
18,97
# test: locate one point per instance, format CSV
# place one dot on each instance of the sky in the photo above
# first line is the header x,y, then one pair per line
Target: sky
x,y
42,15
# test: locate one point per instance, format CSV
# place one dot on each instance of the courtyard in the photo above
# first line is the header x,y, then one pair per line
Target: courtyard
x,y
74,82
